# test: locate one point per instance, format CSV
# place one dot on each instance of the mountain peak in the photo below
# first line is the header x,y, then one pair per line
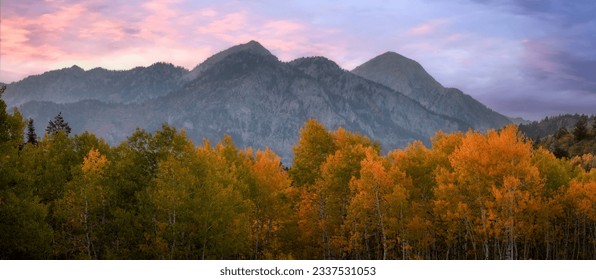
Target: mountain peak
x,y
315,66
392,61
76,68
252,47
397,59
319,61
410,78
401,73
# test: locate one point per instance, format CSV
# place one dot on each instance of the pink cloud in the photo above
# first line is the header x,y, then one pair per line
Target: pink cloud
x,y
544,58
283,27
537,55
104,29
64,19
455,38
229,23
427,27
282,35
286,39
207,12
80,34
26,44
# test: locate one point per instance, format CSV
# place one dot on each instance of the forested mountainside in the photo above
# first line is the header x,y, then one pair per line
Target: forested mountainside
x,y
564,135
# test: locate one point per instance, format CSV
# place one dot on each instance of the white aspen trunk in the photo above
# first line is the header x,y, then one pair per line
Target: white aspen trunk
x,y
326,247
173,247
380,215
87,231
205,242
257,231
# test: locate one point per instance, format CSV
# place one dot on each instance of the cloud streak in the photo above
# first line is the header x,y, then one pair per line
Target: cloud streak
x,y
427,27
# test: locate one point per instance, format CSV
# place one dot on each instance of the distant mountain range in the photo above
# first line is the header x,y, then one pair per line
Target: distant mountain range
x,y
74,84
260,101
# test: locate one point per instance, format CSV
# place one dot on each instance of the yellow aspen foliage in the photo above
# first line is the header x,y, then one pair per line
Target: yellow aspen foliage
x,y
94,162
377,210
419,164
486,168
331,191
272,200
311,223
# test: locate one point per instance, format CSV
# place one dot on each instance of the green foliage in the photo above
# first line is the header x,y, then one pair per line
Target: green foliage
x,y
11,130
24,233
556,172
313,147
53,161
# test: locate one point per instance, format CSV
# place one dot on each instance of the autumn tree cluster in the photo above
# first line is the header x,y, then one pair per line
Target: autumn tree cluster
x,y
160,196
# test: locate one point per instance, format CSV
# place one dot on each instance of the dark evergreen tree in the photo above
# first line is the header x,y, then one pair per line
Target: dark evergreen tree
x,y
58,124
560,152
4,131
581,128
561,132
31,135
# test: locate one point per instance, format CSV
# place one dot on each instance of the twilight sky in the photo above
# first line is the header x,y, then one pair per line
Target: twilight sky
x,y
528,58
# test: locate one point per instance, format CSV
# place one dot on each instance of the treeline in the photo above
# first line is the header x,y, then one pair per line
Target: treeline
x,y
565,136
550,125
159,196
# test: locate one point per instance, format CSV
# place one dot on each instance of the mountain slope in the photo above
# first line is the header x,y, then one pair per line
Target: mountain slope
x,y
409,77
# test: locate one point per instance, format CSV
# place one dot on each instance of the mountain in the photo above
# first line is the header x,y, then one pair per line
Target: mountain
x,y
262,102
243,91
409,77
250,47
74,84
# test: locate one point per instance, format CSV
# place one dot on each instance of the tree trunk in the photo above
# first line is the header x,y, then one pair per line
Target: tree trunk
x,y
380,216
